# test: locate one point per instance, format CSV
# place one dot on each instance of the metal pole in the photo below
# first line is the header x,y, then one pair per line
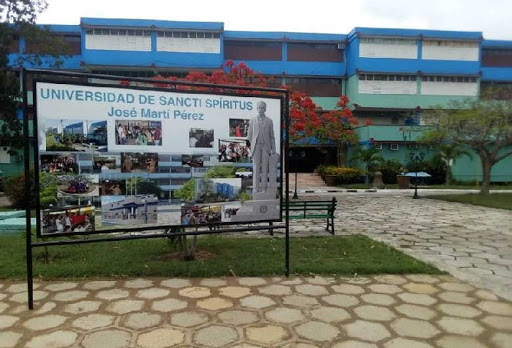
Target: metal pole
x,y
28,193
295,196
287,188
416,184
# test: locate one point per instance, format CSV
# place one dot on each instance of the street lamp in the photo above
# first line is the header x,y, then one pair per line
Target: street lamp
x,y
296,155
416,159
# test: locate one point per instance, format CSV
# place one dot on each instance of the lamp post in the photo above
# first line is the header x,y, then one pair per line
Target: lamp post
x,y
296,156
416,159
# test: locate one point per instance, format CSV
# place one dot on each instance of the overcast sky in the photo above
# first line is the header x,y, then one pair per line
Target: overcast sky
x,y
492,17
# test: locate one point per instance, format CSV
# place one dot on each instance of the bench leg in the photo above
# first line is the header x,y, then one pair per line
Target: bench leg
x,y
271,230
332,226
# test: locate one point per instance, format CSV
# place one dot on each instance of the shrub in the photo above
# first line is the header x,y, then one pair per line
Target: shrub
x,y
221,172
390,169
187,191
14,188
343,175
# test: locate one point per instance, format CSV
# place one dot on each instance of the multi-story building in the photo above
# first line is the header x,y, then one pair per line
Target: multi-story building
x,y
390,75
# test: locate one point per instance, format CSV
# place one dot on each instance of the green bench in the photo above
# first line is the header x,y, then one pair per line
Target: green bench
x,y
314,210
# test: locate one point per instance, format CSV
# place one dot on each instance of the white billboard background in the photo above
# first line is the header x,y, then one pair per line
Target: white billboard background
x,y
205,111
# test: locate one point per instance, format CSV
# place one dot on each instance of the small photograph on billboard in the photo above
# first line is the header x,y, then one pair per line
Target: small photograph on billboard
x,y
129,210
217,189
235,151
112,187
139,162
75,135
202,138
201,214
229,210
106,162
68,219
61,163
80,185
192,160
238,128
143,133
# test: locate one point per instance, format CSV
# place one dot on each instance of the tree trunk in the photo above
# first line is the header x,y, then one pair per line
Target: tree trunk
x,y
341,155
486,175
447,177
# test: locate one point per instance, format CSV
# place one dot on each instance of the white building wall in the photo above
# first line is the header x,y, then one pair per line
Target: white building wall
x,y
5,157
117,42
387,87
450,50
388,48
449,88
188,45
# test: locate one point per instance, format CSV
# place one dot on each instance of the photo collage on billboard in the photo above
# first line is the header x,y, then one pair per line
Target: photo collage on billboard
x,y
116,168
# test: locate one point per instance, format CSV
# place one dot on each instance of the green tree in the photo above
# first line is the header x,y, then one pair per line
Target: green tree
x,y
17,20
370,158
484,125
448,154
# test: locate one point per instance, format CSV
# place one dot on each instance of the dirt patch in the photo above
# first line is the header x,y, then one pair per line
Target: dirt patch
x,y
201,255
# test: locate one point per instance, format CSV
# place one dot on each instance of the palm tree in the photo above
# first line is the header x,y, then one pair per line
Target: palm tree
x,y
370,157
448,154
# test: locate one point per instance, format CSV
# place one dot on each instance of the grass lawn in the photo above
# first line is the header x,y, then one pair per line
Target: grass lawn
x,y
493,200
217,256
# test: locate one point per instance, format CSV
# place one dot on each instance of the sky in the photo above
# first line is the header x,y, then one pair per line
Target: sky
x,y
492,17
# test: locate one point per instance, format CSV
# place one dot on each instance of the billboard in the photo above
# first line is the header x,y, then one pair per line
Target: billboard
x,y
134,136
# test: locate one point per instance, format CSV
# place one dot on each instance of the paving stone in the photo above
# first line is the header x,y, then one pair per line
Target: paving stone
x,y
9,339
138,283
405,343
498,322
493,307
417,312
354,344
195,292
142,320
82,307
168,305
267,334
176,283
348,289
21,297
152,293
375,313
112,338
45,308
311,290
99,284
459,341
125,306
93,321
330,314
237,317
358,280
3,307
214,303
215,336
188,319
245,345
460,326
21,287
295,281
161,338
113,294
7,321
378,299
211,282
459,310
235,291
414,328
367,331
61,286
423,278
274,289
45,322
57,339
257,302
502,340
391,279
251,281
341,300
452,286
385,288
419,288
456,297
420,299
319,280
284,315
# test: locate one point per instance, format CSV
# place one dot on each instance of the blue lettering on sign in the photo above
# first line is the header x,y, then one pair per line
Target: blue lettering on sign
x,y
122,112
184,115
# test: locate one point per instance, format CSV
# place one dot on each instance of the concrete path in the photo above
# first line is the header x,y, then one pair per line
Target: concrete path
x,y
383,311
470,242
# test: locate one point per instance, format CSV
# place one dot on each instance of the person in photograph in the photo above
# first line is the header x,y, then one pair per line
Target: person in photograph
x,y
117,190
152,165
262,142
59,224
157,135
142,138
121,135
192,142
127,164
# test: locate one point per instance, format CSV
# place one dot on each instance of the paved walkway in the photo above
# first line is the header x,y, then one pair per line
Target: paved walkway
x,y
384,311
470,242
